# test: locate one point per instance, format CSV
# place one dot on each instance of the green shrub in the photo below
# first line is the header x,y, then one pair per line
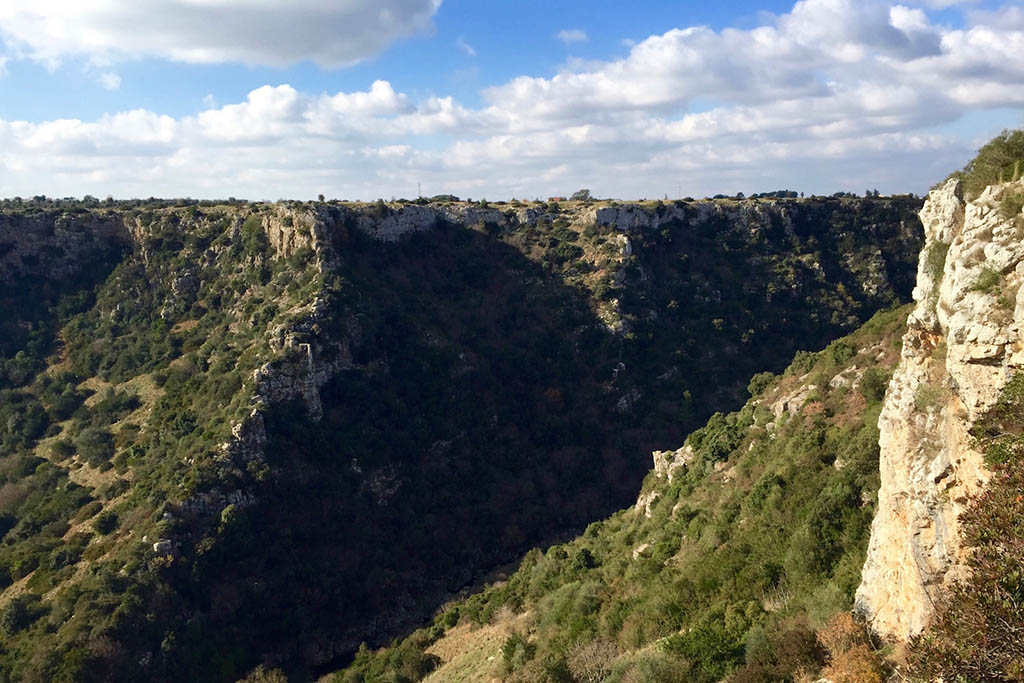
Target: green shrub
x,y
105,522
935,261
516,651
61,450
710,650
760,382
583,559
96,446
928,396
1011,204
781,656
998,161
19,614
841,351
254,237
988,281
873,384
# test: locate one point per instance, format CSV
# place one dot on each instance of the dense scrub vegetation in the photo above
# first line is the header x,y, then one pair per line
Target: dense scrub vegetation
x,y
727,570
88,475
1000,160
484,406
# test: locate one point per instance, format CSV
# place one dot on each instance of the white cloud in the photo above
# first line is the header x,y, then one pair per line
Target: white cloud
x,y
572,35
465,47
3,66
1005,17
265,32
942,4
836,94
110,80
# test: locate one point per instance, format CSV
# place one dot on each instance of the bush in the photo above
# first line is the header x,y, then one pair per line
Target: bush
x,y
261,674
19,614
254,237
842,633
516,651
873,384
583,559
760,382
105,522
1011,204
935,261
96,446
651,667
709,649
998,161
592,662
927,396
61,450
988,280
859,664
783,656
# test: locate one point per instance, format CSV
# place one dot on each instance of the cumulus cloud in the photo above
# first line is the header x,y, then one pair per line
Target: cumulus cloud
x,y
836,94
943,4
572,35
1006,17
264,32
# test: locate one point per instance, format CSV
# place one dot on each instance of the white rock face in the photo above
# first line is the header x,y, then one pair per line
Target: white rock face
x,y
398,223
667,462
962,345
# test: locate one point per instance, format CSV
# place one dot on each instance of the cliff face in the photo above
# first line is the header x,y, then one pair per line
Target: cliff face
x,y
56,245
962,345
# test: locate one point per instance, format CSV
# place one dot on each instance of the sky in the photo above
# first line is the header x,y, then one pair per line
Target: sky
x,y
360,99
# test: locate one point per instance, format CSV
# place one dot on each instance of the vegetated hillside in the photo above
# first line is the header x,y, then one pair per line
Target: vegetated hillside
x,y
278,430
742,544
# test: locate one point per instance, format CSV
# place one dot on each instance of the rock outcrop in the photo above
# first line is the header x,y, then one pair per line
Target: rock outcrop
x,y
57,245
962,345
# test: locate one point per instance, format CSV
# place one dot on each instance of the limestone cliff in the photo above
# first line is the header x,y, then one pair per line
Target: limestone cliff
x,y
962,345
56,245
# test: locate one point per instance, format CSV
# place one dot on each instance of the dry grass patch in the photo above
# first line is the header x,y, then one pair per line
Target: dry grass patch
x,y
473,655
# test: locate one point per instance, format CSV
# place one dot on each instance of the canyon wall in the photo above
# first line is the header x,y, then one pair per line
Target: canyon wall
x,y
962,345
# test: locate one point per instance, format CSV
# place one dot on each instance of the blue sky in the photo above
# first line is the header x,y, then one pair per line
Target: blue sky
x,y
367,98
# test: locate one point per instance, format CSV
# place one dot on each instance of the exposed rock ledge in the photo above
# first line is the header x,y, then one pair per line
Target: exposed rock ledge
x,y
962,345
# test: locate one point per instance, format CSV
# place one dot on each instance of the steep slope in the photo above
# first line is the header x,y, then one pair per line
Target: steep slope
x,y
962,346
740,543
283,429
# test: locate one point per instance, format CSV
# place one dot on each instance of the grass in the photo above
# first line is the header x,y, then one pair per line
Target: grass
x,y
988,281
927,396
473,655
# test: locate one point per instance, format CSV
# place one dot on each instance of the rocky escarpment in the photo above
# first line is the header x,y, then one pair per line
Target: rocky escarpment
x,y
962,345
56,245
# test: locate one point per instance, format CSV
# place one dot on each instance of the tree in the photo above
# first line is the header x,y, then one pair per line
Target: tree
x,y
580,196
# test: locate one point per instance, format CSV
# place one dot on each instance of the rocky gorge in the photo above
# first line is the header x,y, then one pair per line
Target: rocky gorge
x,y
340,413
